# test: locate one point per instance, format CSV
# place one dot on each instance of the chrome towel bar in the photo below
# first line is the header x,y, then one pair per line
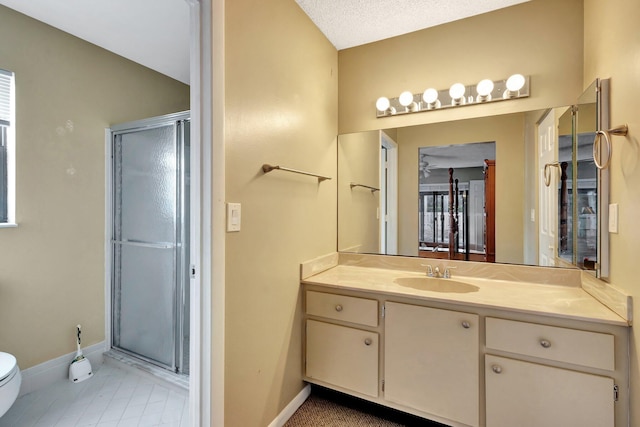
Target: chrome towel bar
x,y
373,189
622,130
266,168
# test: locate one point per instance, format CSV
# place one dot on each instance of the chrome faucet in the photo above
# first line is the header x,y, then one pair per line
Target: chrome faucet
x,y
447,272
429,270
435,272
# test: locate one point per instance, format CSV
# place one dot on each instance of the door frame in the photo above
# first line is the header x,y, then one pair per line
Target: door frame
x,y
206,379
389,197
207,302
548,118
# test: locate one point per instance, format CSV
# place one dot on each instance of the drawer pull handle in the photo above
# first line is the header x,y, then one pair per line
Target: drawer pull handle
x,y
367,341
338,308
466,324
497,369
545,343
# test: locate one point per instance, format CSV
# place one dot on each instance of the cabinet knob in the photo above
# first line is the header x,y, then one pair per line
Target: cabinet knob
x,y
466,324
497,369
338,307
545,343
367,341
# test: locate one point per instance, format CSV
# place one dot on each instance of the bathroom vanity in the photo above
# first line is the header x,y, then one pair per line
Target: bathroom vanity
x,y
495,346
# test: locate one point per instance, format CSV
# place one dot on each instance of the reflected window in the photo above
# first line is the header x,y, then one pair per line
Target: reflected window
x,y
7,132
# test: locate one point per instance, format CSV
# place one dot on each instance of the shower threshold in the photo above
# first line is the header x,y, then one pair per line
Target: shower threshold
x,y
122,360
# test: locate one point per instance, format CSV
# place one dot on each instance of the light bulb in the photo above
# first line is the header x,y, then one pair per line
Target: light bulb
x,y
485,87
457,91
515,82
382,104
430,96
406,98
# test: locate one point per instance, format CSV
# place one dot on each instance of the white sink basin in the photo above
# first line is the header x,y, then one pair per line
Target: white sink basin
x,y
434,284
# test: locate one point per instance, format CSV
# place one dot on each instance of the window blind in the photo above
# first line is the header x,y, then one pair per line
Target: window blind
x,y
6,80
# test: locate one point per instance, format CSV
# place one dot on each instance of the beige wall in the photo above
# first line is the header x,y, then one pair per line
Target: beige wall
x,y
541,38
508,133
612,49
358,162
281,108
52,265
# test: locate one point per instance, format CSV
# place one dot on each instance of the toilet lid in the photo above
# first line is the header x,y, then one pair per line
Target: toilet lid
x,y
7,365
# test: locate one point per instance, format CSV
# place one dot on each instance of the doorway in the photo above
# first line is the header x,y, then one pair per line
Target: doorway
x,y
150,240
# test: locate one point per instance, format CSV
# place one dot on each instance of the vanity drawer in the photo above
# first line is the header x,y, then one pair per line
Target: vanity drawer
x,y
592,349
340,307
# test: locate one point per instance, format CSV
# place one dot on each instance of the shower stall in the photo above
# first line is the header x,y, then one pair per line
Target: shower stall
x,y
150,240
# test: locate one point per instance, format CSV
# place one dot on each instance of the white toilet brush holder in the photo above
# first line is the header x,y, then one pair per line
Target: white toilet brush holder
x,y
80,368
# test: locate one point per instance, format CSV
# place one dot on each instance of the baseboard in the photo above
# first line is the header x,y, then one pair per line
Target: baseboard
x,y
291,408
46,373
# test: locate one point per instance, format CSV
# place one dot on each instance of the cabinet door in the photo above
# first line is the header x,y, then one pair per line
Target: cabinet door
x,y
432,361
345,357
526,394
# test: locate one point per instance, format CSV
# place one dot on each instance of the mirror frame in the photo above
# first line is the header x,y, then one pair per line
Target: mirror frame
x,y
602,123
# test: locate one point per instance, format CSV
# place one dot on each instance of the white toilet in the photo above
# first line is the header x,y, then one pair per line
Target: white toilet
x,y
10,380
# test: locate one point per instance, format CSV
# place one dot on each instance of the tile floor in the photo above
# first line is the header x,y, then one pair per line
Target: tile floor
x,y
113,397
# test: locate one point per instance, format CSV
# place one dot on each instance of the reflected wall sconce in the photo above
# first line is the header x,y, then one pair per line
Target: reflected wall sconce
x,y
516,86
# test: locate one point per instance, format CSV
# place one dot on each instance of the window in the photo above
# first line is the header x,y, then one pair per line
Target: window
x,y
7,147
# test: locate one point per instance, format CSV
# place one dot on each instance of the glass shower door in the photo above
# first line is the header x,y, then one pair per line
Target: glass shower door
x,y
147,243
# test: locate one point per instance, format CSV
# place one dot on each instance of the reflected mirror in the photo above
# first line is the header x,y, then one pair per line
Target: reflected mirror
x,y
564,188
588,198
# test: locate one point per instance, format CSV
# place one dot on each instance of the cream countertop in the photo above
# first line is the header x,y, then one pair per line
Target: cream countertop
x,y
552,300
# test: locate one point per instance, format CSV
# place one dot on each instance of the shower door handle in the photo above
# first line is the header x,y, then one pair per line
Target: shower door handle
x,y
160,245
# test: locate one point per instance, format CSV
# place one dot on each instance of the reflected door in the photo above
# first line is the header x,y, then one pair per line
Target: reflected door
x,y
149,257
547,195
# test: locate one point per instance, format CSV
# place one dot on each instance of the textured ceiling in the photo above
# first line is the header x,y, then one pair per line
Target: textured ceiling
x,y
154,33
349,23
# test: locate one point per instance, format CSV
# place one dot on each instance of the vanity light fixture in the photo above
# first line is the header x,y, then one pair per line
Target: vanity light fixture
x,y
456,92
484,89
514,87
383,105
406,100
430,98
514,84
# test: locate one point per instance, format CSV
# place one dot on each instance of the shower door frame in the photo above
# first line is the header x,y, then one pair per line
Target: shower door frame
x,y
182,284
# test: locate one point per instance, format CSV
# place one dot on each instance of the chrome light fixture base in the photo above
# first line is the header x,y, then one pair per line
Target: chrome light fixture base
x,y
499,92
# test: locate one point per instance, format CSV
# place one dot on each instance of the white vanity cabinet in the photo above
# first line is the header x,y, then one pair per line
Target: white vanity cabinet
x,y
577,393
338,354
431,361
466,365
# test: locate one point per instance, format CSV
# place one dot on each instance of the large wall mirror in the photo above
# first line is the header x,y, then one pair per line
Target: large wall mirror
x,y
394,195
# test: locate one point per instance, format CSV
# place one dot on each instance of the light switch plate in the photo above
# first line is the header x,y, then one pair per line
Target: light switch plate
x,y
233,216
613,218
